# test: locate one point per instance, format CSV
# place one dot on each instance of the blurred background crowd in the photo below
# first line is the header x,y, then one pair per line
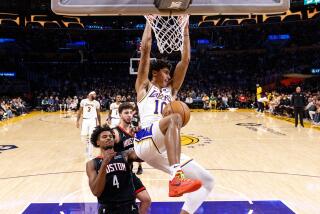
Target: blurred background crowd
x,y
50,62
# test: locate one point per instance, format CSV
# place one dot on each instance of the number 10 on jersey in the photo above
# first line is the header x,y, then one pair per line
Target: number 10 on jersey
x,y
159,104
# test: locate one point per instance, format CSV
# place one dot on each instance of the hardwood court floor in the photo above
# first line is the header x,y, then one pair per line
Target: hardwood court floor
x,y
250,157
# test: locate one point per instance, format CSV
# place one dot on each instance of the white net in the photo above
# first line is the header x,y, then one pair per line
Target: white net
x,y
168,31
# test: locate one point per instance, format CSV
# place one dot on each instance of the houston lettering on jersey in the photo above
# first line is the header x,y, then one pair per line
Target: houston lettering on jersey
x,y
113,167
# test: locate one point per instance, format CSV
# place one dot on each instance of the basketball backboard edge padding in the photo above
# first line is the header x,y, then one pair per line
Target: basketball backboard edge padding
x,y
128,8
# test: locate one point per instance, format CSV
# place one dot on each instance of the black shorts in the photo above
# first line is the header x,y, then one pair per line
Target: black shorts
x,y
127,208
138,185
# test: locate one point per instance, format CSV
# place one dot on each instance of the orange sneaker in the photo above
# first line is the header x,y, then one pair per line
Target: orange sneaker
x,y
180,185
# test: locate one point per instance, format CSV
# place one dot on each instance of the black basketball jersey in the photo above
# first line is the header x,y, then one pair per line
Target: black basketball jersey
x,y
135,120
126,140
119,186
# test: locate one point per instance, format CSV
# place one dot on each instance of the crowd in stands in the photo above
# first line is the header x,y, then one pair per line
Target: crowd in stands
x,y
218,98
279,103
11,107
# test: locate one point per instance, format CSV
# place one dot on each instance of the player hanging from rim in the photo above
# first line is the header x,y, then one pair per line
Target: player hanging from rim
x,y
90,111
124,134
158,142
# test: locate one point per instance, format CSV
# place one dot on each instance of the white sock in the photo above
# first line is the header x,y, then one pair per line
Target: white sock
x,y
193,200
173,170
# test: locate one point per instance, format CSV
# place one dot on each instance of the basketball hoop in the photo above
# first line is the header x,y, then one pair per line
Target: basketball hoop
x,y
168,31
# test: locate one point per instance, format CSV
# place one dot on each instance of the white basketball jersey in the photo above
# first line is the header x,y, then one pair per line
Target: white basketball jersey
x,y
151,106
89,108
114,108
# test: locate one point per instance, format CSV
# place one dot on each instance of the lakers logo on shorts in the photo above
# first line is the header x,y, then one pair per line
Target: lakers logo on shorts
x,y
188,140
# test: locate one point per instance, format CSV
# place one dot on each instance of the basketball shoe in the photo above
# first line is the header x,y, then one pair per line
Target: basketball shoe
x,y
180,185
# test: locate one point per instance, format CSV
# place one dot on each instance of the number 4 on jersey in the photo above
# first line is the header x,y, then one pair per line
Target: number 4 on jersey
x,y
115,181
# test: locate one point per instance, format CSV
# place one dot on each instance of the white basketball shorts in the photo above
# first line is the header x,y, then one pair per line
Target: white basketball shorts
x,y
149,146
88,126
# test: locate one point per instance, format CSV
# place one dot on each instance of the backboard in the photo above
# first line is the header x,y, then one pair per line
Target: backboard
x,y
134,64
145,7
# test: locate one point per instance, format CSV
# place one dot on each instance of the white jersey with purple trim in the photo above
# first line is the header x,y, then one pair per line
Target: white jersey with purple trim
x,y
152,104
89,108
114,108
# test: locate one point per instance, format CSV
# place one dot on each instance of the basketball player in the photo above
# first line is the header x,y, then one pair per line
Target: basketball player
x,y
90,109
158,142
259,103
124,135
110,176
113,118
135,124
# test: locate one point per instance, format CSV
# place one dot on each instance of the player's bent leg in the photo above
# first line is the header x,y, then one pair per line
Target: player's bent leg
x,y
174,118
142,195
195,199
149,147
170,127
145,201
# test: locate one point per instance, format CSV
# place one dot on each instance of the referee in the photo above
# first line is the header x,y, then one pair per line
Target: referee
x,y
298,103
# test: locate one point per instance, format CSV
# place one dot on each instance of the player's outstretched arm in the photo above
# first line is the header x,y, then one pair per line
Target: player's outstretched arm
x,y
182,66
142,80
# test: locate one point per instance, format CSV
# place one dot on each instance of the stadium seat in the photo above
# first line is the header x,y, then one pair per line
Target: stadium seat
x,y
51,25
248,22
206,24
34,25
9,23
292,18
42,18
273,19
230,22
70,19
208,18
74,25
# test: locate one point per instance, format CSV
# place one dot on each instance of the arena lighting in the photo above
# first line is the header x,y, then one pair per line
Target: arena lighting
x,y
7,74
140,26
77,44
307,2
7,40
203,41
277,37
315,71
94,27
